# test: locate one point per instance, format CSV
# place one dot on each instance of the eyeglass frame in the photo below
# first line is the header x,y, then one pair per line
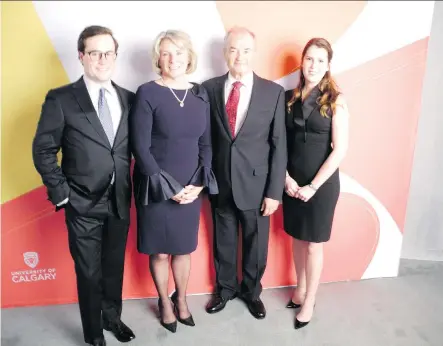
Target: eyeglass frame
x,y
101,54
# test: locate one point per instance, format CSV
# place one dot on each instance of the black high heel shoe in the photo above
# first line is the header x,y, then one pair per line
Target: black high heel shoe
x,y
299,324
188,321
172,327
292,305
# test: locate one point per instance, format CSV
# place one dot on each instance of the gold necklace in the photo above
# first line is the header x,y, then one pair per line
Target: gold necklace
x,y
182,102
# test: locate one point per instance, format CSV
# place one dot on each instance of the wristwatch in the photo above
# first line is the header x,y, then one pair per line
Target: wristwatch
x,y
312,187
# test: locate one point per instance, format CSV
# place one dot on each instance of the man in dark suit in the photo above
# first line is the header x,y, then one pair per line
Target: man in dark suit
x,y
249,162
88,121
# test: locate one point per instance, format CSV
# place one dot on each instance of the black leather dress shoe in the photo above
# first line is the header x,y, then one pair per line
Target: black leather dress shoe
x,y
256,308
99,342
217,303
120,330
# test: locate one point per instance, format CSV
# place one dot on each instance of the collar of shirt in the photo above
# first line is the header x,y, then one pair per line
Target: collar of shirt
x,y
94,88
247,80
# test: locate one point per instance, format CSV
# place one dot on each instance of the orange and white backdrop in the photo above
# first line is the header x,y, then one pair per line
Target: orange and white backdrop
x,y
379,63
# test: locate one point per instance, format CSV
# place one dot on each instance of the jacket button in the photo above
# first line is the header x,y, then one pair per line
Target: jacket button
x,y
112,152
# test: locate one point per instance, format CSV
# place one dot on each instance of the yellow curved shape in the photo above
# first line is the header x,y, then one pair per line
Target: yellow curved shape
x,y
30,67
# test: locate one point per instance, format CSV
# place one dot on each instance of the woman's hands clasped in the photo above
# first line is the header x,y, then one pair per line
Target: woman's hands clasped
x,y
291,186
292,189
188,195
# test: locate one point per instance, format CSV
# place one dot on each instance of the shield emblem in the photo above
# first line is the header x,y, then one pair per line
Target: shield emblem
x,y
31,259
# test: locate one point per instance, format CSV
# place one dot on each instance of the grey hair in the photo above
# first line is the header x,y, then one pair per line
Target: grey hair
x,y
238,29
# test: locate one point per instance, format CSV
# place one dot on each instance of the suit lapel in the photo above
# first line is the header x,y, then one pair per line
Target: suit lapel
x,y
254,103
220,101
120,135
84,100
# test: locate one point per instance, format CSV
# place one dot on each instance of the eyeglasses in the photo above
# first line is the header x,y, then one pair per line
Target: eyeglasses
x,y
96,55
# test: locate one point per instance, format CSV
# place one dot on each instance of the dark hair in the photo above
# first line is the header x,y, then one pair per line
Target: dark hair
x,y
328,87
92,31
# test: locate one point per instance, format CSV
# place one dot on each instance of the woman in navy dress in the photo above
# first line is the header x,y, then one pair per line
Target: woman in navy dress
x,y
170,136
317,136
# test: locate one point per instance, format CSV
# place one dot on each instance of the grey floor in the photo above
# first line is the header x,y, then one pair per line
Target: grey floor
x,y
403,311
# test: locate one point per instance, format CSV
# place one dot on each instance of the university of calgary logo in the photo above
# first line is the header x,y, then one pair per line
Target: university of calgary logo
x,y
31,259
32,275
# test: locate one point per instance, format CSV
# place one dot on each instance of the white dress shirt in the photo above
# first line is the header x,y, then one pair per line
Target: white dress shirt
x,y
111,98
113,104
245,96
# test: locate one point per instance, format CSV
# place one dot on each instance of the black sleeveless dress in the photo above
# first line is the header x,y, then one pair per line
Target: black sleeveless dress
x,y
309,138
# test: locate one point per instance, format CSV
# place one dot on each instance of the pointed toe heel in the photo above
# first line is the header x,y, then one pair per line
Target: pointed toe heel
x,y
292,305
172,327
188,321
298,324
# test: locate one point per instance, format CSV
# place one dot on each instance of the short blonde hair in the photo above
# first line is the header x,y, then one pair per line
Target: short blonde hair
x,y
180,39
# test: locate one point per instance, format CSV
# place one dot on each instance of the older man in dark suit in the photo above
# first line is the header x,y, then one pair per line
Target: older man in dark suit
x,y
249,162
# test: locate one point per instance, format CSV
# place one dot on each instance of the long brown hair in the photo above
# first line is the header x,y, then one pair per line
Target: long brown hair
x,y
328,88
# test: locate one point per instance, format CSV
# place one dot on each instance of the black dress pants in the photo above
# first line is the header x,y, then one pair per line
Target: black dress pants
x,y
97,242
255,237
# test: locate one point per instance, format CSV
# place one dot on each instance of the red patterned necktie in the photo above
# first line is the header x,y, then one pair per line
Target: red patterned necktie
x,y
231,106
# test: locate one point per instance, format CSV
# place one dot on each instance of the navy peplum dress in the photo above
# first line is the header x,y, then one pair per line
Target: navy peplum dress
x,y
172,149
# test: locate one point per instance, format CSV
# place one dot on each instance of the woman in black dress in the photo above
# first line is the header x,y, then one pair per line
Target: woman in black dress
x,y
170,136
317,136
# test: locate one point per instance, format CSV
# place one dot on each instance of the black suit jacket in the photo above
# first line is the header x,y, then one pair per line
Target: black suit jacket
x,y
251,166
69,122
